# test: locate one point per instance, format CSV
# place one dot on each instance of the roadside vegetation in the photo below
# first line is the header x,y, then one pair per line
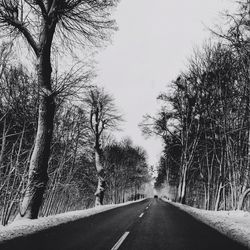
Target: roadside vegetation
x,y
204,123
56,151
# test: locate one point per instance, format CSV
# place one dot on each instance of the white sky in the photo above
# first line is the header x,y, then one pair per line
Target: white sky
x,y
155,38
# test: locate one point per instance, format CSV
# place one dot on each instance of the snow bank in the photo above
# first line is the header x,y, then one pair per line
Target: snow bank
x,y
234,224
25,227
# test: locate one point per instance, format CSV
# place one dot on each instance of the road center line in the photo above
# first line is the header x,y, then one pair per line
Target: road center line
x,y
119,242
141,215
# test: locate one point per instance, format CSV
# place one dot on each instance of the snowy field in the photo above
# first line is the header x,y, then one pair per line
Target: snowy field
x,y
24,227
234,224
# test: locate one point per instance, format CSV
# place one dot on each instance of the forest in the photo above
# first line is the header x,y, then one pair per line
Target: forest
x,y
57,151
204,122
124,124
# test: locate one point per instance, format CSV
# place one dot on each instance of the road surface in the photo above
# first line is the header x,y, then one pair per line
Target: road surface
x,y
147,225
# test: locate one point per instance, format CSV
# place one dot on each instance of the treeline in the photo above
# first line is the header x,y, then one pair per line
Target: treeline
x,y
46,32
205,123
55,148
72,167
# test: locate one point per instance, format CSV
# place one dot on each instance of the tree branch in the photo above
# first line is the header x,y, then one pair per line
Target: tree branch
x,y
41,6
23,30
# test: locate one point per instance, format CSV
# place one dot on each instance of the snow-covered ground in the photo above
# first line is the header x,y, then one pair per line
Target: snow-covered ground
x,y
234,224
24,227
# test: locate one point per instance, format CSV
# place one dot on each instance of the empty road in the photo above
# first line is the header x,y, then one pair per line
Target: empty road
x,y
147,225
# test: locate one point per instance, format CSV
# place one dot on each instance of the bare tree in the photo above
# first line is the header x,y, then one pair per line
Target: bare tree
x,y
103,116
39,23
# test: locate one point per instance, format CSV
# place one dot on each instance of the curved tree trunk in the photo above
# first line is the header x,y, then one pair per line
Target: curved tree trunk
x,y
38,177
242,199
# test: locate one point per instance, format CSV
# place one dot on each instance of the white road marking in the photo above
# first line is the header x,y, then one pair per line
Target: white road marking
x,y
141,215
119,242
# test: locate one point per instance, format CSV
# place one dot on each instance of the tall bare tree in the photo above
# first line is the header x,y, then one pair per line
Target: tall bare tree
x,y
103,116
39,23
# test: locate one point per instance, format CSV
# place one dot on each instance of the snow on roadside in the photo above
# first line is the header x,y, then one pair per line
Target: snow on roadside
x,y
25,227
234,224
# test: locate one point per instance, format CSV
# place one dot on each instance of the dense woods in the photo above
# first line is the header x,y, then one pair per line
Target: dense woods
x,y
204,123
56,153
73,178
57,150
47,27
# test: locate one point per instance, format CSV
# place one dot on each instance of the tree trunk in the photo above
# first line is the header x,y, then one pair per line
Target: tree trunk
x,y
217,203
242,198
182,186
38,176
100,191
3,144
183,192
101,180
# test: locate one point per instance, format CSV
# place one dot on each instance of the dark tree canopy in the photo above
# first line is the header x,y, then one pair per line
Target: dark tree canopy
x,y
73,20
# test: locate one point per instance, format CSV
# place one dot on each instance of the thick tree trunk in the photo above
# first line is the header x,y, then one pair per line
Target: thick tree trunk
x,y
182,186
101,179
38,176
183,193
100,191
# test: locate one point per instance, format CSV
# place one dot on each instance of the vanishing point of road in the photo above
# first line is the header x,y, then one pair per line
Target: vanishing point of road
x,y
151,224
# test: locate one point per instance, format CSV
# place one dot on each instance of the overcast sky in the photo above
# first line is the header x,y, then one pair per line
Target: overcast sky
x,y
152,45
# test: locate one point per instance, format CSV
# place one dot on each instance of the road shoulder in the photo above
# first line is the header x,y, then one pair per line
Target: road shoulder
x,y
233,224
26,227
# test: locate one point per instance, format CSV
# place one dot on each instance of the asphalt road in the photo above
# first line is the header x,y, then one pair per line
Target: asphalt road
x,y
148,225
